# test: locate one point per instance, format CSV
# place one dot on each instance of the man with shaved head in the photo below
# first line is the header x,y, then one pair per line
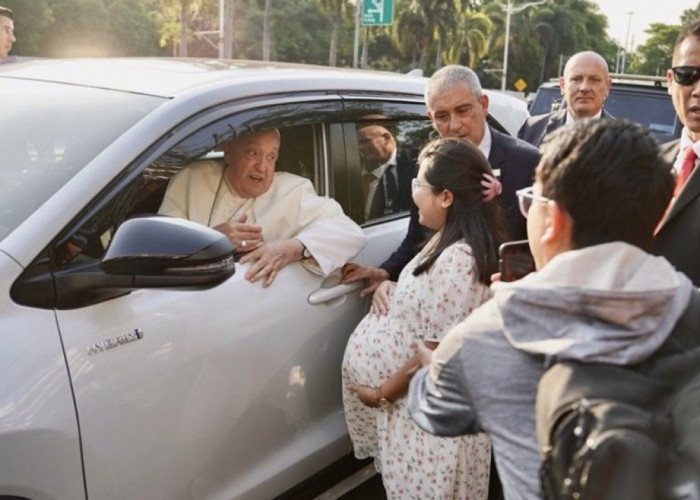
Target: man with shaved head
x,y
584,87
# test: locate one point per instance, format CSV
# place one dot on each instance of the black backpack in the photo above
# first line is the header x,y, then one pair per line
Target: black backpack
x,y
625,432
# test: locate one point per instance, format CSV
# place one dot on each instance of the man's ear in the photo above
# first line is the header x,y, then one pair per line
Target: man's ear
x,y
561,85
558,227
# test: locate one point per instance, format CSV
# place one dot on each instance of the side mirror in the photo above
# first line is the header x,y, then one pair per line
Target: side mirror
x,y
165,247
146,252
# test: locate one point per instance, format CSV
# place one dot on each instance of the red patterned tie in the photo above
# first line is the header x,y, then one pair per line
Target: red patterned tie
x,y
689,157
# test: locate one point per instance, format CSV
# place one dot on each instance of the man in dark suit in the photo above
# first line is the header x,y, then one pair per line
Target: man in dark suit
x,y
584,87
678,236
386,179
458,108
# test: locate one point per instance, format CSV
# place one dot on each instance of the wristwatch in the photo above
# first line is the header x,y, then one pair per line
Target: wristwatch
x,y
382,401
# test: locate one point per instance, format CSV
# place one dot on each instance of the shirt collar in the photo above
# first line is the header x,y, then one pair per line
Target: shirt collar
x,y
485,144
379,171
570,120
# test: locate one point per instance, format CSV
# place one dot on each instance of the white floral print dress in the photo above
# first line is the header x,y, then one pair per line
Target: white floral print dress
x,y
413,463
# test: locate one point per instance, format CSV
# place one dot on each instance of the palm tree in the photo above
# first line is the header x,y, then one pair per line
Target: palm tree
x,y
266,31
335,9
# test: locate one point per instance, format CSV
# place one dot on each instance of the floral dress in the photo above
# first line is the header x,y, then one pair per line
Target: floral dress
x,y
414,463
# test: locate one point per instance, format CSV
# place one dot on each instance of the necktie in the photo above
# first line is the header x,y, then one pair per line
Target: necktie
x,y
392,190
689,157
367,180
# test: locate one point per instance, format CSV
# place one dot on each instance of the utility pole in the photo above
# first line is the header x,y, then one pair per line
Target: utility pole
x,y
510,10
627,41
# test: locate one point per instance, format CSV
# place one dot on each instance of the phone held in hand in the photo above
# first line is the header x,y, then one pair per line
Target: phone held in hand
x,y
515,260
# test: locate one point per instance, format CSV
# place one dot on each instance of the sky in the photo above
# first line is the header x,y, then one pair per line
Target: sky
x,y
645,12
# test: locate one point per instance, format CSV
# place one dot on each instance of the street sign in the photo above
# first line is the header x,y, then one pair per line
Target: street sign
x,y
520,84
377,12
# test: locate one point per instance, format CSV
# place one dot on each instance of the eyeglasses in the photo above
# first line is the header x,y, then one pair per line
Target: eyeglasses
x,y
686,75
415,184
525,199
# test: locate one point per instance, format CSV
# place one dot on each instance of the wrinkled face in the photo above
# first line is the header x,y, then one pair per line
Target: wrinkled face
x,y
456,112
431,212
7,35
585,85
686,98
375,144
250,162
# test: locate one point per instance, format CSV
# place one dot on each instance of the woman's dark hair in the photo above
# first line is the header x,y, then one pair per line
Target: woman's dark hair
x,y
459,167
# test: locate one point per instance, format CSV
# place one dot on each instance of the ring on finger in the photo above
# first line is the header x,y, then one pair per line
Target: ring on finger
x,y
244,243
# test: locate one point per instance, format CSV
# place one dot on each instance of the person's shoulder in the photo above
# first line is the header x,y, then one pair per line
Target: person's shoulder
x,y
289,179
537,119
505,141
203,167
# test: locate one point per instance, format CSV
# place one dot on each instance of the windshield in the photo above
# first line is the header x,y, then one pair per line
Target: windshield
x,y
49,133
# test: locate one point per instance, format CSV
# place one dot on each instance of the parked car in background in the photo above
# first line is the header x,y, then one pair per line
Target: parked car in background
x,y
143,365
642,99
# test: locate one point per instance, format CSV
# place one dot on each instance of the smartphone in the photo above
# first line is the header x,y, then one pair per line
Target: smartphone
x,y
515,260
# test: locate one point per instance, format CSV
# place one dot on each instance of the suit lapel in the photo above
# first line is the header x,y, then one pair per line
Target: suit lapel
x,y
691,189
555,121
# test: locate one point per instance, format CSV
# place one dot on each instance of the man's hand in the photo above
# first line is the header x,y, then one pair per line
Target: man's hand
x,y
269,258
245,237
355,272
382,298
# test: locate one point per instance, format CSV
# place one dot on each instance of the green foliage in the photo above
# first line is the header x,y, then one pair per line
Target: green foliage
x,y
426,34
654,56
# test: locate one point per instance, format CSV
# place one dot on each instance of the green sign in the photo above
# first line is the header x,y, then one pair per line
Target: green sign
x,y
377,12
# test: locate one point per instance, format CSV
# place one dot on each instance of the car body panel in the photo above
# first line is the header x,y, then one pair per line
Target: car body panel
x,y
225,392
39,446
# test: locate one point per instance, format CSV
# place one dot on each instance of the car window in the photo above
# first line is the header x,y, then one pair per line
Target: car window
x,y
382,141
300,153
44,145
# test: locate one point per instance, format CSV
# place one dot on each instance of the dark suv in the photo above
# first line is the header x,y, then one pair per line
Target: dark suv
x,y
643,99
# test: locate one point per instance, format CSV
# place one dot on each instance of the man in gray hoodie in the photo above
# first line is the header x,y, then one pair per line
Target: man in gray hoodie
x,y
600,190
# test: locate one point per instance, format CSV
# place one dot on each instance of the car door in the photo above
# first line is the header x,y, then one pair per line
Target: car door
x,y
228,392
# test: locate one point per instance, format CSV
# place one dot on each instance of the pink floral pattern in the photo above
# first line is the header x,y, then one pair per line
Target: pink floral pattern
x,y
414,463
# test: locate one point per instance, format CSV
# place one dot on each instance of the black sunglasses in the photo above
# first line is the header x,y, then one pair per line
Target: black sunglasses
x,y
686,75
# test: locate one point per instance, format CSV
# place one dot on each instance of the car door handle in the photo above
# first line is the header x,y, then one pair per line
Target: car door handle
x,y
323,295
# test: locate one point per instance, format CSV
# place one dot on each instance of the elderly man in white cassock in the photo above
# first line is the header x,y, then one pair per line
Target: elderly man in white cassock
x,y
276,218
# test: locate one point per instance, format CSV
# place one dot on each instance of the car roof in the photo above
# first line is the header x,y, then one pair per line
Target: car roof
x,y
173,77
168,77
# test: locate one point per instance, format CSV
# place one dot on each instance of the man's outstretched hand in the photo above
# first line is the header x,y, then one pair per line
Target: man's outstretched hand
x,y
354,272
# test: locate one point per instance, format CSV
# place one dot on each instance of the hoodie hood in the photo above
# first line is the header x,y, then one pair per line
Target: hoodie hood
x,y
609,303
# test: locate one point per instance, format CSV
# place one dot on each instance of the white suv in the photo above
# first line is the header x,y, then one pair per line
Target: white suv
x,y
143,365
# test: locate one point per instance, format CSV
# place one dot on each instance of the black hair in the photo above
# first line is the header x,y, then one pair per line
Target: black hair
x,y
5,12
609,177
458,166
693,29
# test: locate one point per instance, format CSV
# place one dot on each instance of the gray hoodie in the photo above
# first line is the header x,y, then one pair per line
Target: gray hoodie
x,y
609,303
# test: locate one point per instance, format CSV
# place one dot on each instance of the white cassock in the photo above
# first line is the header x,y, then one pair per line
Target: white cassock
x,y
289,209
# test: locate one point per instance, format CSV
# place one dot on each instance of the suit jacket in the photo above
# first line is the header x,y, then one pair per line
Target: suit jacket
x,y
678,237
516,161
537,127
405,169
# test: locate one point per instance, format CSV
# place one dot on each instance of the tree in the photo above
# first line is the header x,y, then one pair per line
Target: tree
x,y
334,9
653,57
80,28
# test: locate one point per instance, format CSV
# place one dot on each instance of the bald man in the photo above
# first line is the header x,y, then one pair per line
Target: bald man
x,y
584,87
